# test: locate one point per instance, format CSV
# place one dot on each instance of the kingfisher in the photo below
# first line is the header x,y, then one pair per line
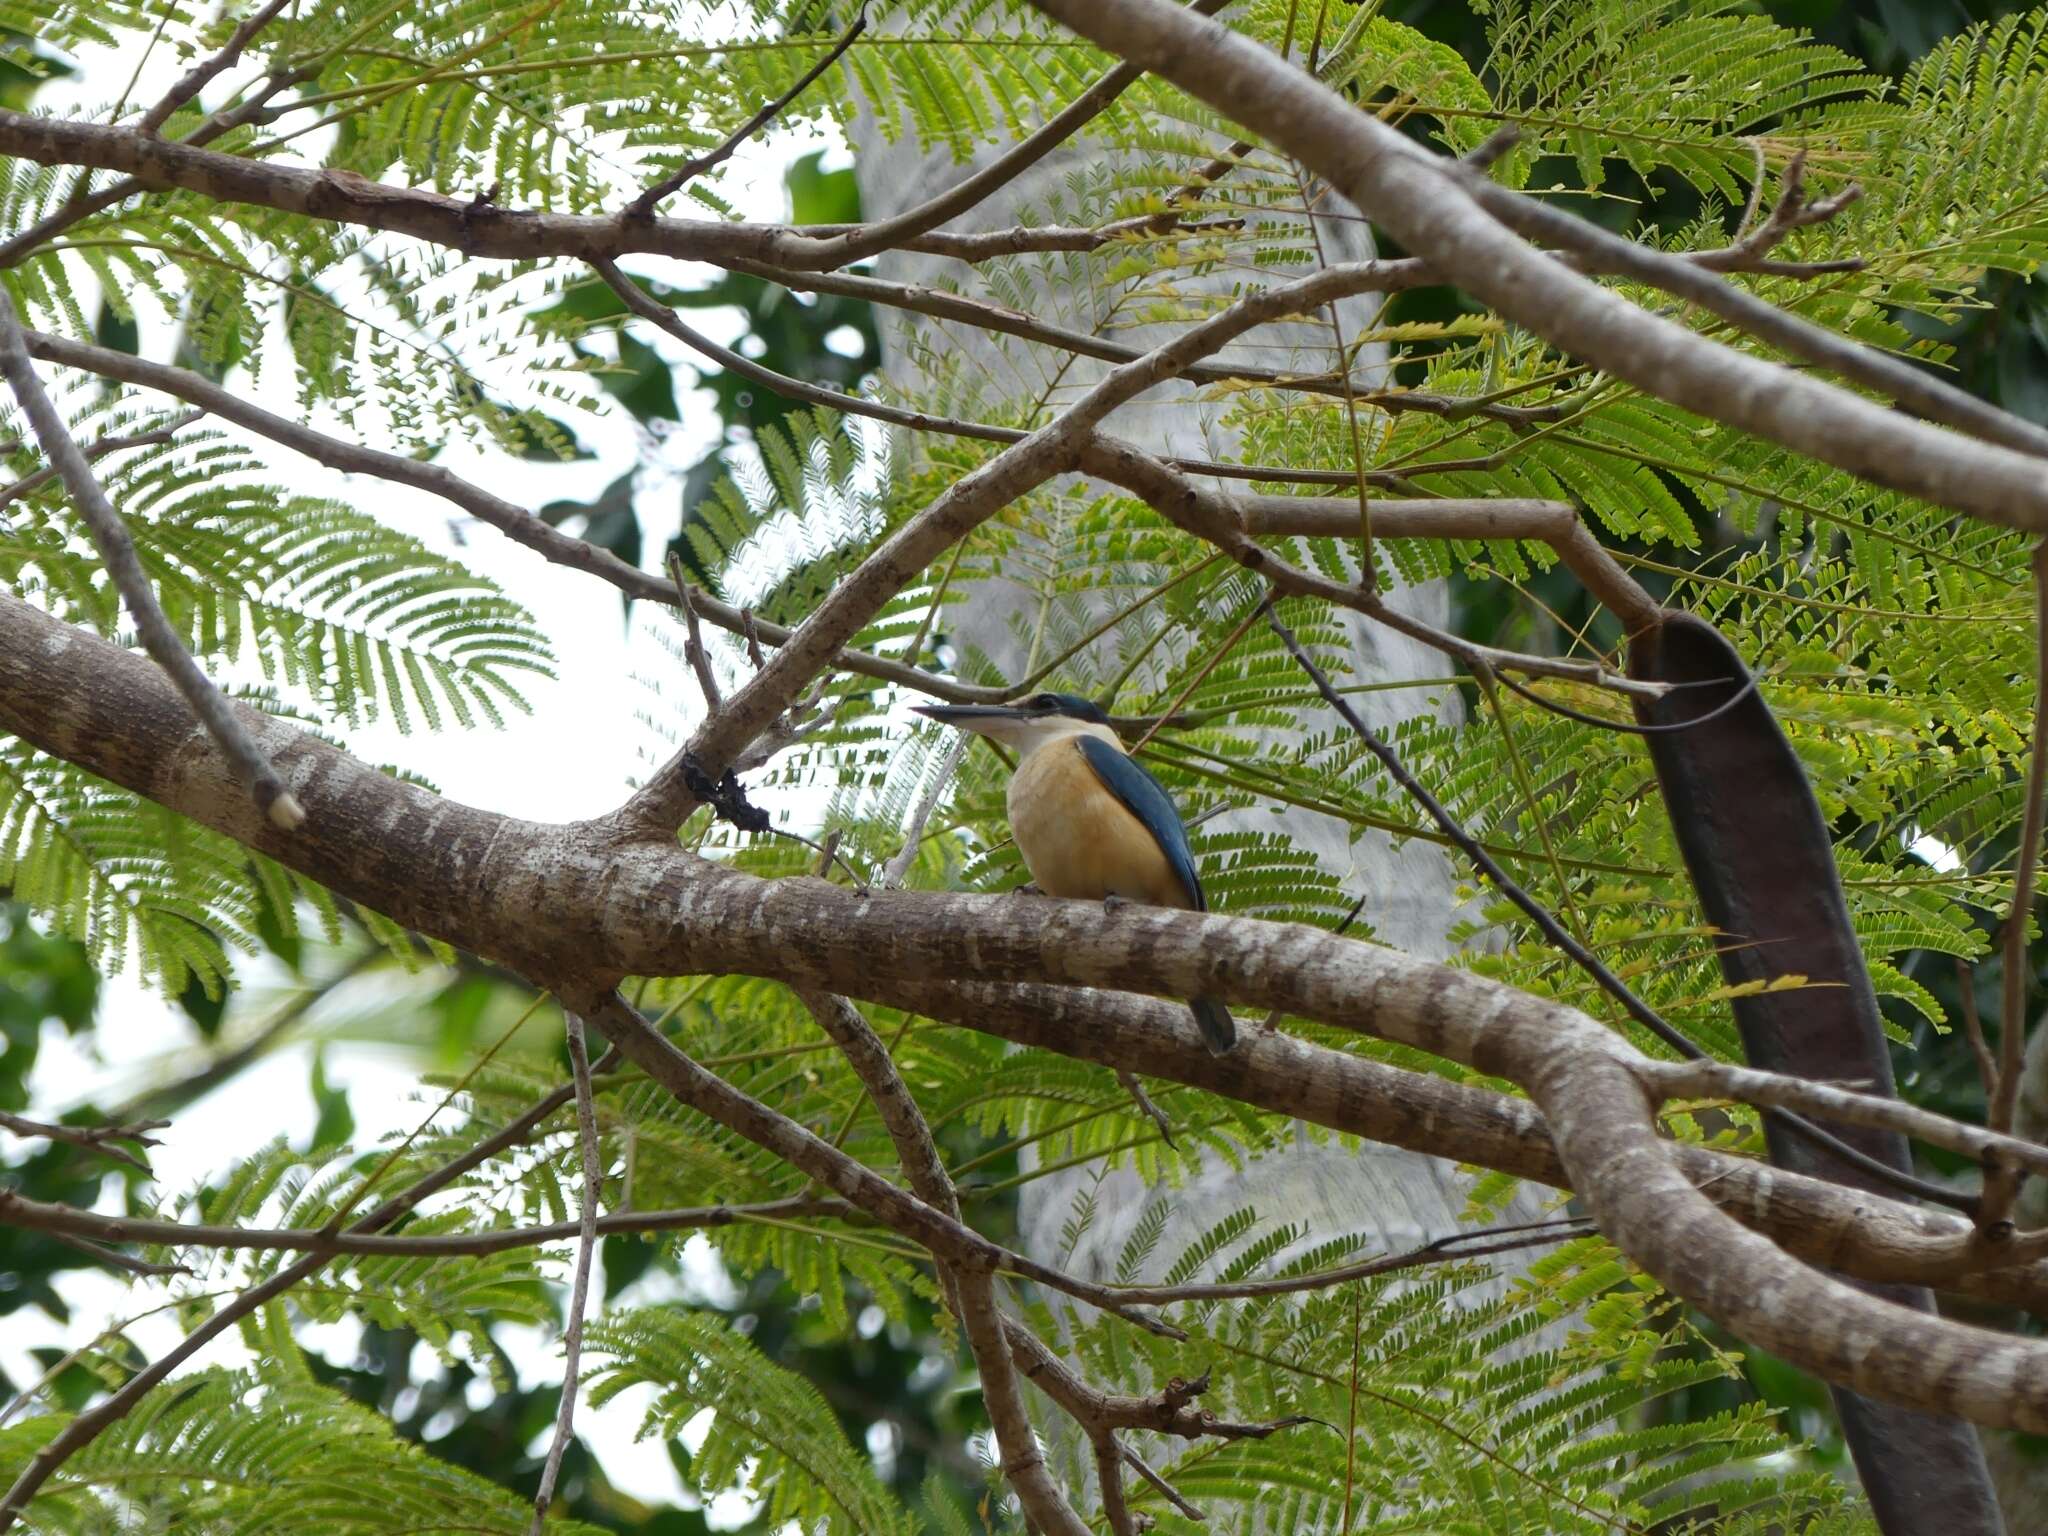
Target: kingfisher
x,y
1089,820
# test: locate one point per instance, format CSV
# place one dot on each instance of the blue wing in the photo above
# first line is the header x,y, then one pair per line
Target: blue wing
x,y
1142,796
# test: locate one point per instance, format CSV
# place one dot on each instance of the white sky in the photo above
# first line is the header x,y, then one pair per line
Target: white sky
x,y
571,757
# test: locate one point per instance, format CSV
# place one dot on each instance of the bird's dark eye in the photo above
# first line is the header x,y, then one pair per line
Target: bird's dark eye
x,y
1045,701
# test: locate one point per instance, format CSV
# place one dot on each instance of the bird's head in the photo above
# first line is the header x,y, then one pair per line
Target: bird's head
x,y
1028,724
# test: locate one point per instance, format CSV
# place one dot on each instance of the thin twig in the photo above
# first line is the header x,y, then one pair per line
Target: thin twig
x,y
984,316
17,1210
1628,727
643,206
898,867
693,644
1487,154
1829,1101
103,1255
95,451
1457,1248
1756,189
1747,253
93,1138
1973,1027
2001,1181
586,1249
117,550
1143,1100
1171,1494
846,245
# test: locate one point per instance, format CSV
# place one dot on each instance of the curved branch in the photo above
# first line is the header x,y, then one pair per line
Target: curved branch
x,y
552,901
1431,206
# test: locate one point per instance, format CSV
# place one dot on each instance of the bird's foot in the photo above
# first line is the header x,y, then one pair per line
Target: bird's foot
x,y
1028,888
1112,902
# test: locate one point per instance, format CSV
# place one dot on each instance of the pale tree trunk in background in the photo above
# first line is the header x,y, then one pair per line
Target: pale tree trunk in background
x,y
1393,1198
2019,1469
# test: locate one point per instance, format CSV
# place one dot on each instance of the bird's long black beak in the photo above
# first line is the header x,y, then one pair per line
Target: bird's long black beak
x,y
968,716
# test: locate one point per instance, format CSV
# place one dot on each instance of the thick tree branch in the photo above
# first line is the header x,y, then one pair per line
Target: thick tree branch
x,y
1428,204
970,1289
553,901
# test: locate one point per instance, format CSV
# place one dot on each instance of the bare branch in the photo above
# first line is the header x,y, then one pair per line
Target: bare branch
x,y
2001,1181
1430,204
643,206
1556,523
485,231
931,1228
579,1293
1213,516
1109,1475
1144,370
1130,1085
17,1210
1749,1085
93,1138
92,452
970,1288
942,304
83,204
566,897
117,551
1458,1248
119,1260
1853,1232
898,867
693,646
514,521
636,299
200,75
1795,211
